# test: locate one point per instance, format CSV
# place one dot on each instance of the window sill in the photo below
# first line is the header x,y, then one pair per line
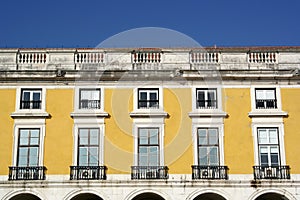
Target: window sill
x,y
89,113
149,113
267,113
31,114
207,113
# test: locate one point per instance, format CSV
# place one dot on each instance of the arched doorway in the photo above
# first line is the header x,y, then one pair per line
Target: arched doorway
x,y
86,196
148,196
209,196
271,196
25,196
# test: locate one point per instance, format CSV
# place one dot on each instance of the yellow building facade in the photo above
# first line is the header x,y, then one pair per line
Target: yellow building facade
x,y
211,123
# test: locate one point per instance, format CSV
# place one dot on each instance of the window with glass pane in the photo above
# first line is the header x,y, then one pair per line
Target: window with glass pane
x,y
148,98
31,99
265,98
89,99
208,146
88,147
206,98
148,149
268,146
28,147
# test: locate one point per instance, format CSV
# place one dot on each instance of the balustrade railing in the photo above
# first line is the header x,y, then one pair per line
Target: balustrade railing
x,y
204,57
209,172
266,103
146,57
149,172
89,57
88,172
27,173
262,57
206,104
31,104
31,58
89,104
271,172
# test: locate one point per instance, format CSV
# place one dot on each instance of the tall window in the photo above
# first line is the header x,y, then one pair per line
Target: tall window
x,y
148,98
88,147
31,99
208,146
148,147
89,99
265,98
206,98
268,147
28,147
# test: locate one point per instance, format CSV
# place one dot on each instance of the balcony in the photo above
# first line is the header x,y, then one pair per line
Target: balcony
x,y
266,103
27,173
149,172
88,172
271,172
31,104
89,104
209,172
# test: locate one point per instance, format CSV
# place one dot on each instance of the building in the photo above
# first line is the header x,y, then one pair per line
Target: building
x,y
150,123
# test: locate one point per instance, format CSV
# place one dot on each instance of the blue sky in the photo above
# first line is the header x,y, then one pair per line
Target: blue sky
x,y
74,23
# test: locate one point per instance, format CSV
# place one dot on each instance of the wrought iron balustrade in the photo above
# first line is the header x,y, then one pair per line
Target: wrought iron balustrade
x,y
88,172
266,103
149,172
147,104
89,104
209,172
206,104
31,104
27,173
271,172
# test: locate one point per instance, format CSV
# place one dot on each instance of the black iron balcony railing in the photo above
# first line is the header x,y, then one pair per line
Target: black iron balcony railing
x,y
31,104
206,104
149,172
88,172
89,104
266,103
209,172
27,173
147,104
271,172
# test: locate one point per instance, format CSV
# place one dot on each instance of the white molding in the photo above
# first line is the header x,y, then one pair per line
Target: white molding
x,y
213,113
267,113
150,114
31,114
18,99
89,114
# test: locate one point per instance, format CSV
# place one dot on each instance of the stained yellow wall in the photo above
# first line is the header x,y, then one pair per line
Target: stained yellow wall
x,y
58,143
290,104
238,140
7,103
119,141
178,131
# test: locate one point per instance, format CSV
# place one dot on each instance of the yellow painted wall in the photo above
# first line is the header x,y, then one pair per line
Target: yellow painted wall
x,y
178,131
238,140
119,141
7,105
58,151
290,104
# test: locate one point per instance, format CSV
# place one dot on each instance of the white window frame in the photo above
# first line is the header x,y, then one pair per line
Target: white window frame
x,y
77,108
148,87
274,124
101,141
29,124
160,127
19,96
206,90
220,128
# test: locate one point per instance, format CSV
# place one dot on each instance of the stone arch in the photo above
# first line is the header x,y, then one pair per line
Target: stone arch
x,y
85,195
147,194
208,194
23,195
267,194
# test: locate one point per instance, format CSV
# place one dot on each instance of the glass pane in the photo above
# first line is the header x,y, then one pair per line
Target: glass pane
x,y
143,160
260,94
211,95
26,96
22,161
153,136
83,132
262,136
33,161
34,141
143,96
143,136
202,136
33,151
24,141
213,136
201,96
143,150
203,156
94,134
93,151
85,94
23,151
213,156
270,94
83,151
83,160
34,133
153,96
153,160
24,133
264,159
36,96
273,136
95,95
274,159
